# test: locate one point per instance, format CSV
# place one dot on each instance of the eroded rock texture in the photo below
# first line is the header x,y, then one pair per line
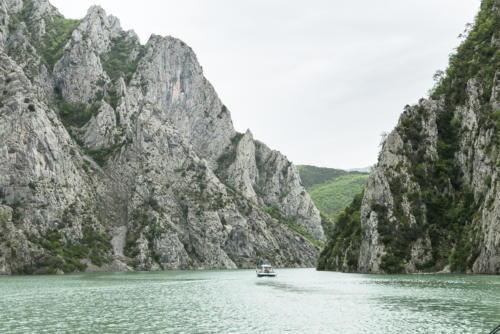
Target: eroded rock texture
x,y
433,202
116,155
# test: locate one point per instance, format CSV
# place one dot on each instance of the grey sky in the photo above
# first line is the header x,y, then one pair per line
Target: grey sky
x,y
318,80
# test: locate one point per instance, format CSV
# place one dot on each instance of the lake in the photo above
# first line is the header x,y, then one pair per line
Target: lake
x,y
236,301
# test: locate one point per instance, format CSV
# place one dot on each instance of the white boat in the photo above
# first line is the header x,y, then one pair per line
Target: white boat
x,y
265,270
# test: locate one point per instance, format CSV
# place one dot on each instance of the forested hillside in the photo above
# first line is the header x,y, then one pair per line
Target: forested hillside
x,y
331,189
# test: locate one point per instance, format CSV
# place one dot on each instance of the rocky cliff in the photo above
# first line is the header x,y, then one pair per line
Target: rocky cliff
x,y
116,155
432,203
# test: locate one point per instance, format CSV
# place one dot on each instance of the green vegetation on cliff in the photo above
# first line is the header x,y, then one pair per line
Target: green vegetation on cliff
x,y
76,114
344,240
433,187
228,156
450,204
123,58
477,56
66,256
58,31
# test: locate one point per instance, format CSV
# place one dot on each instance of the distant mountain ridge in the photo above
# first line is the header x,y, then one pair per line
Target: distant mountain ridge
x,y
362,170
331,189
313,175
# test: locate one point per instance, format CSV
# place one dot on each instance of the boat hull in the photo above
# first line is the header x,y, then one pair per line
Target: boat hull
x,y
266,275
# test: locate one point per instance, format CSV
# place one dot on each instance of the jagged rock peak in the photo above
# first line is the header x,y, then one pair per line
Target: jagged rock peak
x,y
177,46
96,12
120,156
98,28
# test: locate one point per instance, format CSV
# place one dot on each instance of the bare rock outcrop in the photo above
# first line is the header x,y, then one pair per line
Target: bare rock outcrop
x,y
120,156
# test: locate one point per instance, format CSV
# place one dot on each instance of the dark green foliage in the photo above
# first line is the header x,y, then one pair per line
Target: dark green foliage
x,y
291,223
156,257
326,224
146,224
450,205
153,203
449,223
391,262
445,170
25,16
119,61
4,217
76,114
344,239
455,229
398,234
140,219
476,56
487,181
236,138
131,249
17,208
444,207
410,127
113,97
13,23
98,244
61,254
223,220
223,111
450,215
58,32
31,107
496,118
257,190
284,170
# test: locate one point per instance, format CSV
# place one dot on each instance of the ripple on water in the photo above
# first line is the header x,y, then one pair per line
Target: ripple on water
x,y
297,301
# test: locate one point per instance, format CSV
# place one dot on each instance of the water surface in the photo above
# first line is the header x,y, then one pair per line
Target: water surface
x,y
297,301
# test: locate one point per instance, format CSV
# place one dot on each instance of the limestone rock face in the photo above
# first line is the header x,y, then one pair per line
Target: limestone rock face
x,y
79,70
120,156
100,131
280,184
172,80
243,173
431,204
377,189
398,185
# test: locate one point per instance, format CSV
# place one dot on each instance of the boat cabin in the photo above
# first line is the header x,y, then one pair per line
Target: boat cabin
x,y
265,270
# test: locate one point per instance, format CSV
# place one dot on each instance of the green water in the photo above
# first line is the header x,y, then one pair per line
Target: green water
x,y
297,301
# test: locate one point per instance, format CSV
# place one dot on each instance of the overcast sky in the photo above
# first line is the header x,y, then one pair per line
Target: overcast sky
x,y
318,80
